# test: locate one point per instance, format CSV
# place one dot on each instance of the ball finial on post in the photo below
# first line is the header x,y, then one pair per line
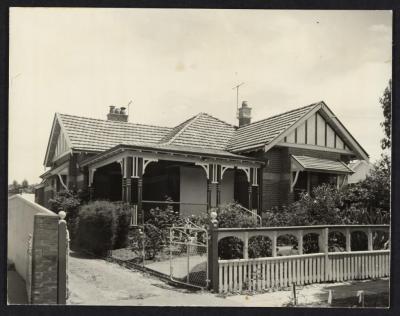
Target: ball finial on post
x,y
62,215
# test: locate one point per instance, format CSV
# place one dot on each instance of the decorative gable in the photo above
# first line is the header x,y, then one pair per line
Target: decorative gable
x,y
61,147
316,131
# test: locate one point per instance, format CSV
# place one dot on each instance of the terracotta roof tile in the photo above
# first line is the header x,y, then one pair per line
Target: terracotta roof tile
x,y
99,135
262,132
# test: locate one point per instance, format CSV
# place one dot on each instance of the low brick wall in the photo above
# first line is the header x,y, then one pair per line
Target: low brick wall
x,y
37,245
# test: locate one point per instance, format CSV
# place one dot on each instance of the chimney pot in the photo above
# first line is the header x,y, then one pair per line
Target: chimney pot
x,y
117,114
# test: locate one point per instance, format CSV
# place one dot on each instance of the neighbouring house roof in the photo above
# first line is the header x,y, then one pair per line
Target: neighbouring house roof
x,y
201,133
306,163
261,133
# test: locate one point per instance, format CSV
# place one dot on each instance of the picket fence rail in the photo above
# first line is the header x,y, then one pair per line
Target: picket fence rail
x,y
260,274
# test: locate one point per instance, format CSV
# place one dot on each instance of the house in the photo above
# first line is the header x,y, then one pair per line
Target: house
x,y
361,170
202,162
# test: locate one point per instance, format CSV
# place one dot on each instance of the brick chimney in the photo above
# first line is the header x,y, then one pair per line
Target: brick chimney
x,y
244,114
117,114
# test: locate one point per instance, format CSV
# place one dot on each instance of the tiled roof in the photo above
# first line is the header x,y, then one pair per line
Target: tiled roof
x,y
311,163
202,130
202,133
262,132
99,135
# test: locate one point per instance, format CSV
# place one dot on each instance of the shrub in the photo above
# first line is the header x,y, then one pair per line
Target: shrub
x,y
123,213
152,240
102,226
69,202
260,246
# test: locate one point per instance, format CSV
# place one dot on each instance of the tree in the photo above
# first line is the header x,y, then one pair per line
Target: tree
x,y
25,185
386,103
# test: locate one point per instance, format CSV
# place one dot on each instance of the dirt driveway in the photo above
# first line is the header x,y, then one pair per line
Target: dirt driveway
x,y
98,282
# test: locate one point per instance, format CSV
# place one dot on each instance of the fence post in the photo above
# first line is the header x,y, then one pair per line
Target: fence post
x,y
213,268
370,240
274,237
300,241
62,260
326,251
246,246
348,240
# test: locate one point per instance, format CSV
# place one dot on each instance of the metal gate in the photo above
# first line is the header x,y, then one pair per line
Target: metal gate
x,y
188,253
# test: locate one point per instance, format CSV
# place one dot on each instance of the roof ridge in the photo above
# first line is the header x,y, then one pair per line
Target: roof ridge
x,y
218,119
189,122
283,113
113,122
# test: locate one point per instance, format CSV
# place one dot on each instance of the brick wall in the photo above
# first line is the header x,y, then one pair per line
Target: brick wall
x,y
44,260
276,175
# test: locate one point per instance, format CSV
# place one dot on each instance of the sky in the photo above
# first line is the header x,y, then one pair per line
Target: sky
x,y
175,63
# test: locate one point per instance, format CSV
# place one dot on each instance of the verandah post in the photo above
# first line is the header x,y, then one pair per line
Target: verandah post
x,y
213,267
209,189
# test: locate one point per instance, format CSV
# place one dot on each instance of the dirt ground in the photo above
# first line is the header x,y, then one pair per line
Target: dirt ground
x,y
98,282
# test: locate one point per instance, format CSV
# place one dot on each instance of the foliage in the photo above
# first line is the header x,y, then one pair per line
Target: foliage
x,y
386,103
123,214
231,215
69,202
152,240
260,246
102,226
24,187
368,201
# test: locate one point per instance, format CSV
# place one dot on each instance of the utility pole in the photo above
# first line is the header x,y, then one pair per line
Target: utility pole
x,y
237,96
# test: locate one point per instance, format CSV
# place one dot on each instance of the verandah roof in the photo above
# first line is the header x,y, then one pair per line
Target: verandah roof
x,y
173,150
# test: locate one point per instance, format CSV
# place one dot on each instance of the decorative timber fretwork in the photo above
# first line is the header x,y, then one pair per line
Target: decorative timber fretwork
x,y
294,181
91,176
224,168
206,168
247,171
147,161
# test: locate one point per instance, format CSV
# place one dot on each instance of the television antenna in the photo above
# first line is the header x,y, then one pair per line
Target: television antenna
x,y
128,106
237,95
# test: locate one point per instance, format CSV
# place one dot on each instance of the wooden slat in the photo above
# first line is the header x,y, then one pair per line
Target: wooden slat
x,y
263,276
220,284
240,277
322,259
259,276
226,278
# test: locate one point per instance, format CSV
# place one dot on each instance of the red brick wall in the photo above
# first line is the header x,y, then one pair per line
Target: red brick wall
x,y
44,260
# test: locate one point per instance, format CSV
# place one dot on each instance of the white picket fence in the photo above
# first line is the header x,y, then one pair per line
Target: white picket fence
x,y
279,272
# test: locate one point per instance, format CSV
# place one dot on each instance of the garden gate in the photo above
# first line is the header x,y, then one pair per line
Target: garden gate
x,y
188,251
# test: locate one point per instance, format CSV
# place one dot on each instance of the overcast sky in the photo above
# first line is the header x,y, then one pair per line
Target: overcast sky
x,y
176,63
